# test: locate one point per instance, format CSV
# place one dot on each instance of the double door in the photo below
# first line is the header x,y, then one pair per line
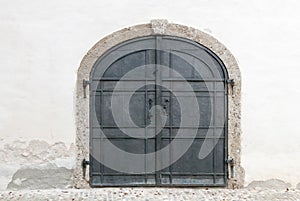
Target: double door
x,y
158,115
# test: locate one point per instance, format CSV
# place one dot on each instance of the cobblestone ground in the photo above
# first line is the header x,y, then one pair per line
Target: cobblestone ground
x,y
149,194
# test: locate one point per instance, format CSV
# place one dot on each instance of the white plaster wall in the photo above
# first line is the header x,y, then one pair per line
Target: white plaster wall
x,y
43,42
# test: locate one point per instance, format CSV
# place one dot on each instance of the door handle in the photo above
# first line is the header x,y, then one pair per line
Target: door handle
x,y
150,101
166,103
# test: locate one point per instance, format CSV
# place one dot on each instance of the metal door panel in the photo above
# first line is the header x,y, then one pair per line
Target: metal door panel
x,y
159,86
184,49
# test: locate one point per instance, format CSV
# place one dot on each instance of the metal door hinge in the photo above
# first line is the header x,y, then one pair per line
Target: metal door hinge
x,y
84,164
230,163
84,84
232,83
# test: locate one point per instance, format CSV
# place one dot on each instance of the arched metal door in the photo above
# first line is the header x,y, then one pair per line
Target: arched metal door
x,y
158,115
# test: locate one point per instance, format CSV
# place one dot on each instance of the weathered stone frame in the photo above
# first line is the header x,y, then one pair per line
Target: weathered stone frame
x,y
153,28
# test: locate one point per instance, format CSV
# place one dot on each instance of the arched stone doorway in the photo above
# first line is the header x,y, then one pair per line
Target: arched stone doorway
x,y
153,47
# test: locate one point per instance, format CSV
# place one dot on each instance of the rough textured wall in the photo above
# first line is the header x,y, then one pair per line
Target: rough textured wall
x,y
154,194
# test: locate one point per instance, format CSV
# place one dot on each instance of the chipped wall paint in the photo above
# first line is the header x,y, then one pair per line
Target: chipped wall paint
x,y
27,165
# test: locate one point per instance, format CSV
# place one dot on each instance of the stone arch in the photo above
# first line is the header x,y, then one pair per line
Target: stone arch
x,y
160,27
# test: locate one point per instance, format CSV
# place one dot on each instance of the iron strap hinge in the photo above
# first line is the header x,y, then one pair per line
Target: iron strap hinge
x,y
232,83
84,163
84,84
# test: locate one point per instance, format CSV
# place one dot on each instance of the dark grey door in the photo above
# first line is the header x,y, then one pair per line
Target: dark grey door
x,y
158,115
